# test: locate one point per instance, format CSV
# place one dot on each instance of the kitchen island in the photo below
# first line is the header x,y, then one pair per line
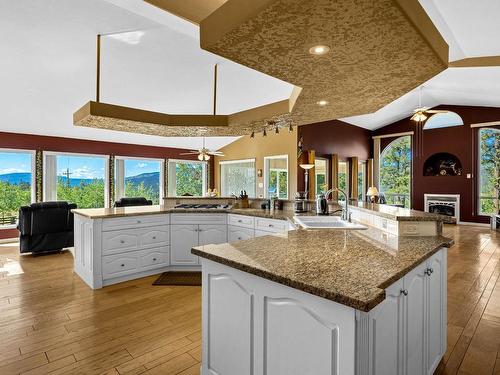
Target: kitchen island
x,y
324,302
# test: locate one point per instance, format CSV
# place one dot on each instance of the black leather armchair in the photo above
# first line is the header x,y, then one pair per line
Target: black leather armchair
x,y
138,201
46,227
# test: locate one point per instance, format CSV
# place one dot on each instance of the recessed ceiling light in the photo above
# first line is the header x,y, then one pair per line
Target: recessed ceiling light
x,y
322,103
319,50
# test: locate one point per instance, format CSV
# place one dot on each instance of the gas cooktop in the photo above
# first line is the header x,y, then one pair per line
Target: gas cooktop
x,y
204,206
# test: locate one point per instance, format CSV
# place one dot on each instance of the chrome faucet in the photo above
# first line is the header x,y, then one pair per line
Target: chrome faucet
x,y
345,210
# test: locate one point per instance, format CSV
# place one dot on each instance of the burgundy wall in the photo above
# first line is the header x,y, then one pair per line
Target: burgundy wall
x,y
46,143
334,137
460,141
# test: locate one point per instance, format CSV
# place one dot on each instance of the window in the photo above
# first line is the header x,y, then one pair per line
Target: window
x,y
395,172
321,175
187,178
489,171
236,176
80,179
361,180
343,178
16,184
139,178
276,176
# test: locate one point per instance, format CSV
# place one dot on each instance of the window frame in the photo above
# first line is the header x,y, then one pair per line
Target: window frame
x,y
186,161
267,173
33,175
479,196
161,192
327,173
251,160
46,175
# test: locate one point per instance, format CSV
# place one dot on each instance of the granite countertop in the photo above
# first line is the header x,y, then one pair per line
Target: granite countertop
x,y
349,267
102,213
397,213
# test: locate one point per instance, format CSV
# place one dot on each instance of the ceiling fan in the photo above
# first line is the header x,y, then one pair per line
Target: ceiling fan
x,y
420,114
204,153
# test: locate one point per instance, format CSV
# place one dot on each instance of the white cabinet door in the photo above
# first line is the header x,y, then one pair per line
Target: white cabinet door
x,y
415,287
436,309
386,333
183,238
212,234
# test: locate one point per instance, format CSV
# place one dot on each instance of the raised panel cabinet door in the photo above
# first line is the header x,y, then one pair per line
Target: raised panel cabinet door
x,y
415,290
386,333
436,327
183,238
212,234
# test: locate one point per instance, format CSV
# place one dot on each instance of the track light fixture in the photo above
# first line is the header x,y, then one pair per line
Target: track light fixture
x,y
252,135
290,128
277,130
264,133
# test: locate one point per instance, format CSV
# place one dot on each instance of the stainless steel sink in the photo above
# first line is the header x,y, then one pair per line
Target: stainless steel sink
x,y
326,222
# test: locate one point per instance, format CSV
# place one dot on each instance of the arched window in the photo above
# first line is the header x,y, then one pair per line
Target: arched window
x,y
395,172
489,171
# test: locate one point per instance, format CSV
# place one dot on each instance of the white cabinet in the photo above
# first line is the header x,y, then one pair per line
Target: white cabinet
x,y
436,318
190,230
184,238
235,233
415,311
406,333
212,234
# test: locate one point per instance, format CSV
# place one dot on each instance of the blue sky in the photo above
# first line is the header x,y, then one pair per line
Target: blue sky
x,y
81,166
135,167
14,162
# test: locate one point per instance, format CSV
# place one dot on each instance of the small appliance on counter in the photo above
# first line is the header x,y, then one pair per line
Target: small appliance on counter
x,y
321,205
300,204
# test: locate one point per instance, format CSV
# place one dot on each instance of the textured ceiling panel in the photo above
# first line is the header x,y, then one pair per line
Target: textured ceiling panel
x,y
377,51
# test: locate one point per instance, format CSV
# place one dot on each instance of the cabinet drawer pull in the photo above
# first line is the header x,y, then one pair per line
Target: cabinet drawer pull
x,y
404,292
154,259
123,265
122,241
239,238
154,237
138,221
240,221
270,225
429,271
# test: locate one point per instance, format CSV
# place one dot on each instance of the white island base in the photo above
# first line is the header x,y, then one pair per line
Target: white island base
x,y
254,326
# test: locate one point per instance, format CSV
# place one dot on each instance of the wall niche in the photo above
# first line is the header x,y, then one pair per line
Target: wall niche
x,y
442,164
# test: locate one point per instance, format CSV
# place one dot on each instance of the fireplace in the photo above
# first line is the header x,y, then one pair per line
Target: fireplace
x,y
443,204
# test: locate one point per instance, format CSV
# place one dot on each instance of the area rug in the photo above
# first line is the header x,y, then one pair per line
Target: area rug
x,y
179,278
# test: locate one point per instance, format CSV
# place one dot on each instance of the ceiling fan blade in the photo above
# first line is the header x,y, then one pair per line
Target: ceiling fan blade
x,y
190,153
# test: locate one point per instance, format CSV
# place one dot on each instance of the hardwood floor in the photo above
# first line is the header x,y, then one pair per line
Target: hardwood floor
x,y
52,323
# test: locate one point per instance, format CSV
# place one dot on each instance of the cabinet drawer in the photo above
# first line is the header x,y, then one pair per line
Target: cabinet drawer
x,y
241,221
138,221
215,218
119,241
155,236
268,225
119,265
238,234
153,258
